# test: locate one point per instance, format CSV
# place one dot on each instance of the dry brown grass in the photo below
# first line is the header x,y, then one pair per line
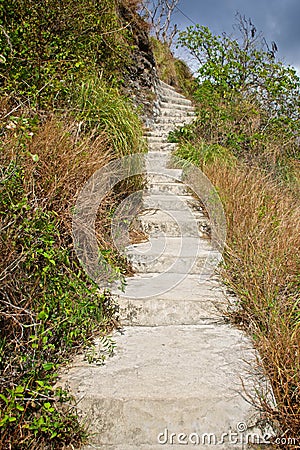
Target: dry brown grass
x,y
262,265
43,167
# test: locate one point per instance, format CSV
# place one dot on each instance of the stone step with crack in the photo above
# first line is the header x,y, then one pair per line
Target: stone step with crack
x,y
159,132
157,139
175,113
189,111
162,105
163,91
163,147
166,85
172,120
159,136
156,160
174,245
154,186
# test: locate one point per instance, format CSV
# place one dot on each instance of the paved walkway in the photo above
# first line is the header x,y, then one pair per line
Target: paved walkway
x,y
180,370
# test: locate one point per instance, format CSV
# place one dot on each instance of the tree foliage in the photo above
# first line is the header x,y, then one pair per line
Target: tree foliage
x,y
244,63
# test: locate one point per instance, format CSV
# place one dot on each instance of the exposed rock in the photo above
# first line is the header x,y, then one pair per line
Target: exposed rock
x,y
141,80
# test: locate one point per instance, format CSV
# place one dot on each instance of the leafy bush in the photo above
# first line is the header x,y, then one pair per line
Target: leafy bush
x,y
248,101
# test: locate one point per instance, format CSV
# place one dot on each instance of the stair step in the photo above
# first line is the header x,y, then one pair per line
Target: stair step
x,y
179,369
172,264
168,100
166,105
162,147
167,86
174,223
163,120
169,201
154,312
176,113
164,91
229,446
155,186
158,380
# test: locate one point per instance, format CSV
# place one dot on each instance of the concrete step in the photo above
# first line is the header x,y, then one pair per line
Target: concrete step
x,y
162,174
159,446
161,162
177,113
161,263
157,138
164,91
179,107
163,147
154,312
182,222
172,286
169,201
180,374
167,101
173,120
174,246
160,132
183,379
166,185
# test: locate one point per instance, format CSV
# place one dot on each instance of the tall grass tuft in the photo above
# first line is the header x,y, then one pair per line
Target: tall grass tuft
x,y
262,265
105,110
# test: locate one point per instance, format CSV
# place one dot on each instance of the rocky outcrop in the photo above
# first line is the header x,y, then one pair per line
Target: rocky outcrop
x,y
140,79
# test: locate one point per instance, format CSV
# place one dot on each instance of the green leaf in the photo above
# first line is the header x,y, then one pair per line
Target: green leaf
x,y
34,157
48,366
19,389
42,315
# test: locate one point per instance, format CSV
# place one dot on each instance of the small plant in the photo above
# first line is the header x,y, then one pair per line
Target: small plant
x,y
99,352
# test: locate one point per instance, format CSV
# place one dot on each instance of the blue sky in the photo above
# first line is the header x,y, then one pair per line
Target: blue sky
x,y
279,20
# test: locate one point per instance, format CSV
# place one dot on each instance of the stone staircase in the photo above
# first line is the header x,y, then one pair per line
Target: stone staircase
x,y
181,373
